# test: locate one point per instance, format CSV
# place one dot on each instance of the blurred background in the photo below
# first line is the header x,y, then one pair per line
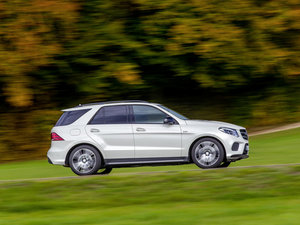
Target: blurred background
x,y
236,61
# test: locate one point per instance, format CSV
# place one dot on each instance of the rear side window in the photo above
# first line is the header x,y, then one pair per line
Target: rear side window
x,y
111,115
69,117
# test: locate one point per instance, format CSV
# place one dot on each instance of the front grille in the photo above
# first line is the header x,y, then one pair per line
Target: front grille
x,y
244,134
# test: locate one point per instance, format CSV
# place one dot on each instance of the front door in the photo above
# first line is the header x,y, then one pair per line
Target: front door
x,y
153,138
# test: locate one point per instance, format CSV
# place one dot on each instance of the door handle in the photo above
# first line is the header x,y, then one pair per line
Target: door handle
x,y
94,130
140,129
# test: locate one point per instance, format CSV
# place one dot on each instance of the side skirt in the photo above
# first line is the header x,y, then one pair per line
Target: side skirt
x,y
130,162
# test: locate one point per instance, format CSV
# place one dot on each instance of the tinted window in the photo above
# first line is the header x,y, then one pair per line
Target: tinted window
x,y
111,115
147,114
174,113
69,117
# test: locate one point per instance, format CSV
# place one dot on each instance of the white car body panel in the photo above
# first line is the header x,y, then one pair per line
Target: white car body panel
x,y
157,140
116,140
195,129
138,141
59,149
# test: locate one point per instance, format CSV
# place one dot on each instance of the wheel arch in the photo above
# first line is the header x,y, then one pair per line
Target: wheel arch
x,y
202,137
75,146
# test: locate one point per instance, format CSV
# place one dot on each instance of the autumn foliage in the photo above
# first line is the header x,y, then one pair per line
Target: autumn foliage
x,y
235,60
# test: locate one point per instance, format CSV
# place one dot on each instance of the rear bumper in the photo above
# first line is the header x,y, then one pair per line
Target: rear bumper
x,y
49,160
59,150
57,153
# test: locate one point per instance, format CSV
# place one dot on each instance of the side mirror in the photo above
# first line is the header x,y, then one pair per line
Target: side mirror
x,y
169,120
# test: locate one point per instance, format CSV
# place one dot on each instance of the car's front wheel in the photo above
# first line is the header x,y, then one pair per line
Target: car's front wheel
x,y
106,170
207,153
225,164
85,160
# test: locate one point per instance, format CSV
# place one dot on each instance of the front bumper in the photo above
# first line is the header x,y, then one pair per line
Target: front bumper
x,y
238,157
244,155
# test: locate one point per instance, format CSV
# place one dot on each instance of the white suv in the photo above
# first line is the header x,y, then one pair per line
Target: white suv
x,y
105,135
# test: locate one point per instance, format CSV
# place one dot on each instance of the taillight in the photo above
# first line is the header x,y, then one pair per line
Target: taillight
x,y
56,137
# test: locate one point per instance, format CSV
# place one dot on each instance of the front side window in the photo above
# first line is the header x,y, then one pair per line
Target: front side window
x,y
69,117
147,114
173,112
111,115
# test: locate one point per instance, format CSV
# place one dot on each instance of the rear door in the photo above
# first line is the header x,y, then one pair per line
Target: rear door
x,y
153,138
111,129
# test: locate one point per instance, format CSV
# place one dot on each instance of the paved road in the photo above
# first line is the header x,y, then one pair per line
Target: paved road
x,y
276,129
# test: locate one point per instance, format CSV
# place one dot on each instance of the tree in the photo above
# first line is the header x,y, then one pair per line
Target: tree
x,y
31,33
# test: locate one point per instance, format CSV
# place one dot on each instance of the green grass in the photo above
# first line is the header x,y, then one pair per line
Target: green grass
x,y
244,196
234,197
276,148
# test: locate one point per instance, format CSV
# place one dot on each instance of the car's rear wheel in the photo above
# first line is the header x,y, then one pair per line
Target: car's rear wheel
x,y
207,153
85,160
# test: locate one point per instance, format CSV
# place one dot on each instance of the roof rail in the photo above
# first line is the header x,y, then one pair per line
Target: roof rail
x,y
107,102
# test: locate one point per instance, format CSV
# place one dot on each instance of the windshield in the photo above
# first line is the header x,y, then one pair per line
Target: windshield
x,y
173,112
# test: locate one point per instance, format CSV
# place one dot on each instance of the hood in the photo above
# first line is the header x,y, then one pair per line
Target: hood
x,y
213,123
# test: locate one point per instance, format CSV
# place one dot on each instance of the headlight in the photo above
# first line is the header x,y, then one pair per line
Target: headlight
x,y
229,131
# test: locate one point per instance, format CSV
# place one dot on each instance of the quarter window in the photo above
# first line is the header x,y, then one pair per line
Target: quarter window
x,y
70,117
147,114
111,115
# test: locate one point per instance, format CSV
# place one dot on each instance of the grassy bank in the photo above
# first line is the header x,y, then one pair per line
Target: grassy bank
x,y
276,148
239,196
247,196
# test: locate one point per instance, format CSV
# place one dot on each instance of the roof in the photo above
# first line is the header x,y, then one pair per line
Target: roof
x,y
110,102
88,105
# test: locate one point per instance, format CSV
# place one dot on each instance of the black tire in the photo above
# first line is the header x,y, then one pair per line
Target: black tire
x,y
224,164
85,160
106,170
215,152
